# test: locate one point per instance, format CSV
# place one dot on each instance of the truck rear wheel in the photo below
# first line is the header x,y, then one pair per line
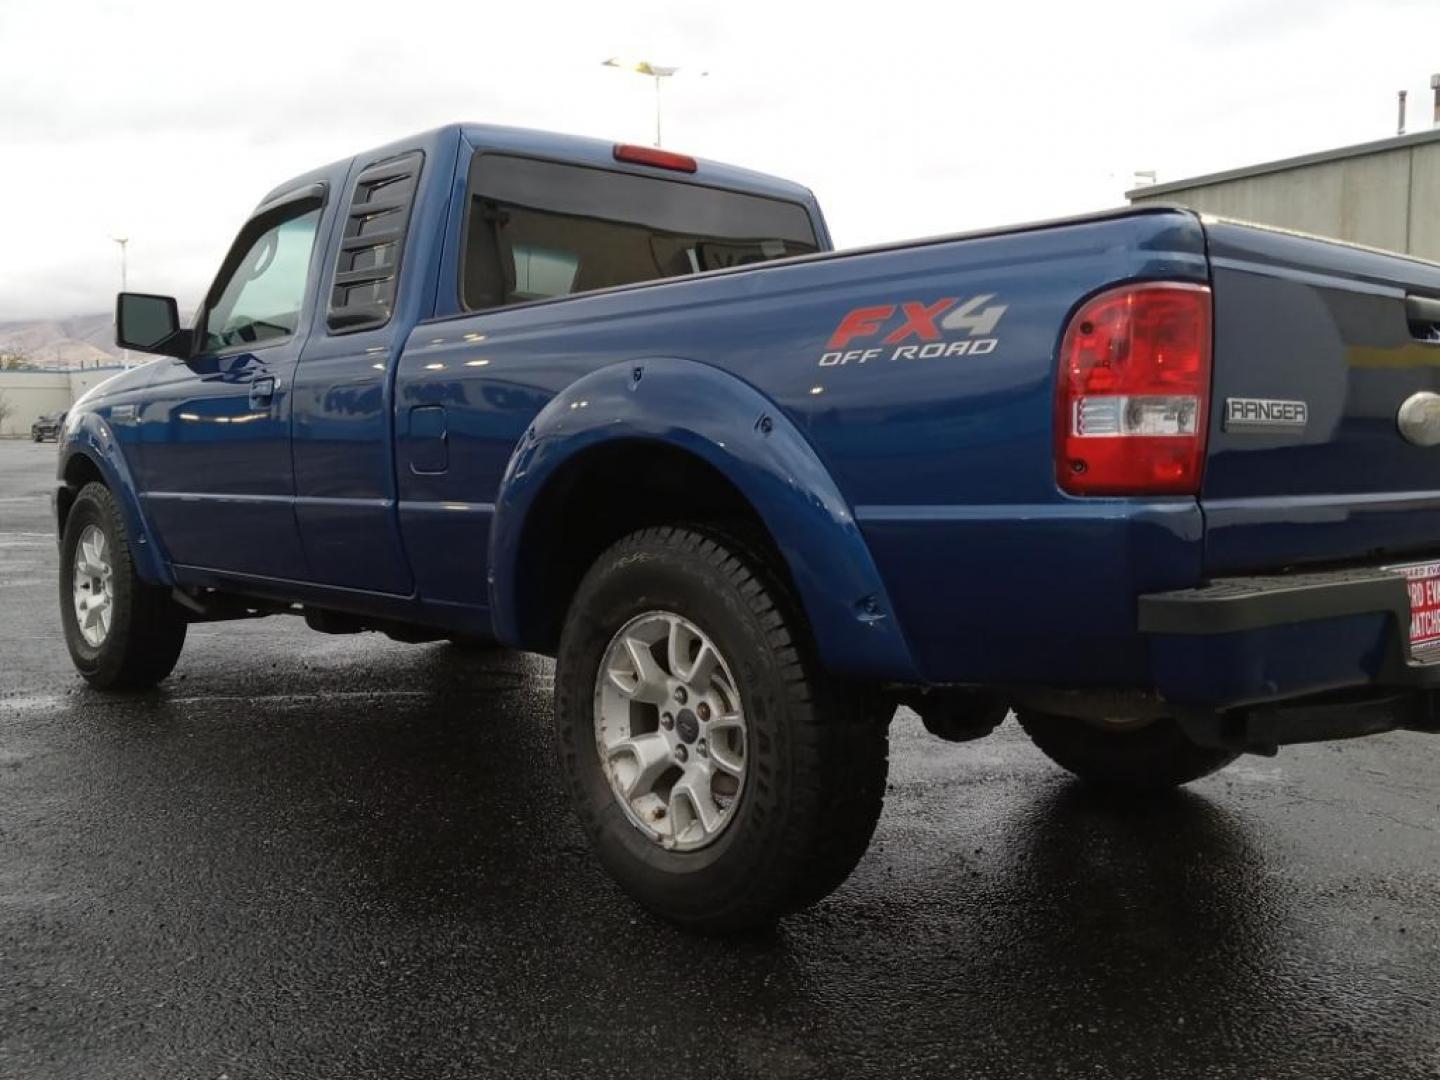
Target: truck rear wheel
x,y
1145,754
122,633
722,778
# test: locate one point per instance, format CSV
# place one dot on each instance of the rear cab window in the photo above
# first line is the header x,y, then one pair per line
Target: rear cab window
x,y
536,230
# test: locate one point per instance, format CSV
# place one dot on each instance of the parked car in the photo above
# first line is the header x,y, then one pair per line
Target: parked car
x,y
47,426
1163,485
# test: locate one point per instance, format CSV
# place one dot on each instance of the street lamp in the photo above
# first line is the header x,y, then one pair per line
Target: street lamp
x,y
124,283
644,67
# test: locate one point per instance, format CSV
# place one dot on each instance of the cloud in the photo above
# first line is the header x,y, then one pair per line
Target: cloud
x,y
168,121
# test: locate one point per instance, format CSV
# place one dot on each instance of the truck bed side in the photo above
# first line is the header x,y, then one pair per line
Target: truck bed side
x,y
948,457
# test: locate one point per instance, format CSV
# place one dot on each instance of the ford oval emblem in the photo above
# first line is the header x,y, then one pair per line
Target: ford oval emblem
x,y
1419,418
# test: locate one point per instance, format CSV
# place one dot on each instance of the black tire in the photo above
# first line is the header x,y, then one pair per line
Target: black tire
x,y
1154,756
147,628
35,436
816,756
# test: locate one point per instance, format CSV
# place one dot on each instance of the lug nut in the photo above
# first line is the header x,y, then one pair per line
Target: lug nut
x,y
667,721
702,711
680,754
701,748
680,694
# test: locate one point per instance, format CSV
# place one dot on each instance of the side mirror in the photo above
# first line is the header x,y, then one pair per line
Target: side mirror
x,y
150,324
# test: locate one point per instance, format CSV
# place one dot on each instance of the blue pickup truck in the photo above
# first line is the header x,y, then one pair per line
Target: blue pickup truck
x,y
1165,486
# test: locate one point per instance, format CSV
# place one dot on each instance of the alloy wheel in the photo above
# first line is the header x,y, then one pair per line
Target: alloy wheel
x,y
93,586
670,730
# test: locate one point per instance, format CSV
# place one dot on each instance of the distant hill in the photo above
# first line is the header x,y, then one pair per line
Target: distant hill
x,y
79,341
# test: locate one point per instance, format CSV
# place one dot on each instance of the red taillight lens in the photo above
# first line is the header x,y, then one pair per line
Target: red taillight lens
x,y
1134,392
659,159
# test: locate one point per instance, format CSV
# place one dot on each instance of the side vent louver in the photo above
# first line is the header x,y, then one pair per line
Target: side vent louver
x,y
368,266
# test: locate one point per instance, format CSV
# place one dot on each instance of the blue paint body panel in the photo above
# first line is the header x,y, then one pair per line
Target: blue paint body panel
x,y
1326,322
912,495
958,449
108,442
732,427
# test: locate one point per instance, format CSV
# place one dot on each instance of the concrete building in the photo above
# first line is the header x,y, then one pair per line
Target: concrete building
x,y
1383,194
30,393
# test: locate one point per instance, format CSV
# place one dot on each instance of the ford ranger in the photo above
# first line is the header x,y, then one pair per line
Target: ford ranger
x,y
1164,486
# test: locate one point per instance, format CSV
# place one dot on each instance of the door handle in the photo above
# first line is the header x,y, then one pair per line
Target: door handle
x,y
262,390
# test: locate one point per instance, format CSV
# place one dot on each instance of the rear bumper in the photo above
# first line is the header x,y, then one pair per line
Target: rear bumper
x,y
1252,640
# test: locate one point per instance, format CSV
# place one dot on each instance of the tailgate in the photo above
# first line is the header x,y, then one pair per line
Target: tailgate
x,y
1317,347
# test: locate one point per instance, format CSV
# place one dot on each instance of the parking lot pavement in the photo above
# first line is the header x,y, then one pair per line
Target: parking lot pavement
x,y
312,856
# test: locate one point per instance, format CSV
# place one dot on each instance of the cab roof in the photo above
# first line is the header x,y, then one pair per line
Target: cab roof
x,y
548,144
599,152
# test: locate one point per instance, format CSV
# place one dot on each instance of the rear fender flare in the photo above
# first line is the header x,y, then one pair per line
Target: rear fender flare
x,y
744,436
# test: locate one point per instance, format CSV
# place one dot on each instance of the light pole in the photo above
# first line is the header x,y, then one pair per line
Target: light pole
x,y
644,67
124,284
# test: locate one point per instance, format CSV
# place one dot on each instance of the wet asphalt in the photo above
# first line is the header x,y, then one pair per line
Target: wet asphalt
x,y
311,856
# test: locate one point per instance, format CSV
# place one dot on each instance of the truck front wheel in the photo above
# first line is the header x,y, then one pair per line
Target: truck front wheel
x,y
1144,754
122,633
723,779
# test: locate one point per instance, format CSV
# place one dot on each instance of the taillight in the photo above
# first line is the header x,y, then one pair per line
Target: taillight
x,y
656,159
1133,392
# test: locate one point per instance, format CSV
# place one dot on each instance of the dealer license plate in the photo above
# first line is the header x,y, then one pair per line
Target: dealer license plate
x,y
1424,582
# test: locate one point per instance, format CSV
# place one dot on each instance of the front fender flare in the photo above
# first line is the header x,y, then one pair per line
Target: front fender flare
x,y
743,435
91,438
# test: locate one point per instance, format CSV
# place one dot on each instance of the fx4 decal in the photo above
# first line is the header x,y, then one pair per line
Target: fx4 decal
x,y
915,330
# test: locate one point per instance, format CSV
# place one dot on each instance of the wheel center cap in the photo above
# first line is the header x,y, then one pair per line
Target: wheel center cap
x,y
687,726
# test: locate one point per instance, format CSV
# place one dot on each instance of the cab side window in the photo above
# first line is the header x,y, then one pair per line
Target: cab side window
x,y
262,299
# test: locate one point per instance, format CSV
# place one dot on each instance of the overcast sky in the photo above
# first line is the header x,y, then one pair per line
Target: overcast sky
x,y
167,122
